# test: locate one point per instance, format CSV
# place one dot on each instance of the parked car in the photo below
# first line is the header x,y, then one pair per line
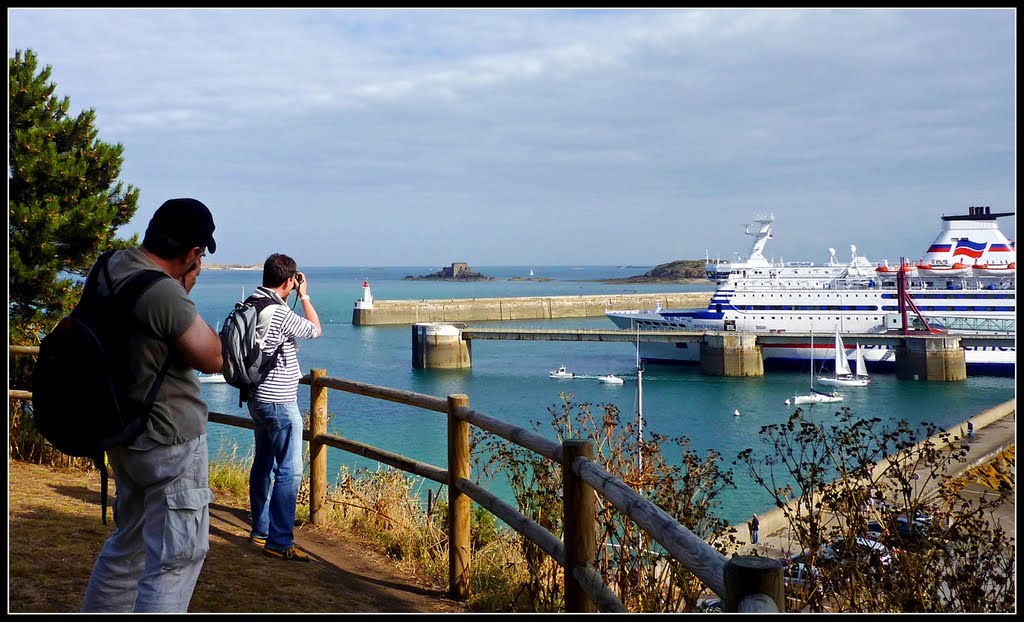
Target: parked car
x,y
798,571
903,526
871,552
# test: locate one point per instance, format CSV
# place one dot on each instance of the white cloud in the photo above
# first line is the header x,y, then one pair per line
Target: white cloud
x,y
594,136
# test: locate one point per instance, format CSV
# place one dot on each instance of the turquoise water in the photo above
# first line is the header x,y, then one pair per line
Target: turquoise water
x,y
509,379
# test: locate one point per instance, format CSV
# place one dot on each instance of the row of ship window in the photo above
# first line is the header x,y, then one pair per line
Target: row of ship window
x,y
849,308
916,296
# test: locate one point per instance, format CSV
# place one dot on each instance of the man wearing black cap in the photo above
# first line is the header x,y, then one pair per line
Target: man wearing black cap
x,y
152,560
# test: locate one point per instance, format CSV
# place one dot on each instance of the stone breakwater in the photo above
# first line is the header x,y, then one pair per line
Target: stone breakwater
x,y
525,308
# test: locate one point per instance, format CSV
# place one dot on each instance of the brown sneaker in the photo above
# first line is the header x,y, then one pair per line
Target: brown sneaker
x,y
290,553
258,540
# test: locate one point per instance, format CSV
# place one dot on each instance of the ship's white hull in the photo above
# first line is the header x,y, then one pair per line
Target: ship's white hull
x,y
993,360
761,296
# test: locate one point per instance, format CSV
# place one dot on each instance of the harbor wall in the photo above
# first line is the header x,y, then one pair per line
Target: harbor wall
x,y
523,308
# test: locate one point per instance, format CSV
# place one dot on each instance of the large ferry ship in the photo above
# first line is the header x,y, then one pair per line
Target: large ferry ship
x,y
964,283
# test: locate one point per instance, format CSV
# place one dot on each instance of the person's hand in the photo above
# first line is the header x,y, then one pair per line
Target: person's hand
x,y
188,280
302,284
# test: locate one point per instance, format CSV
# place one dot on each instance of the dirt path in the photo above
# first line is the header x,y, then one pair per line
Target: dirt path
x,y
55,533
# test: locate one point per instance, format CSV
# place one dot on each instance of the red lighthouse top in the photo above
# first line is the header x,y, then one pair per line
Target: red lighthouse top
x,y
366,283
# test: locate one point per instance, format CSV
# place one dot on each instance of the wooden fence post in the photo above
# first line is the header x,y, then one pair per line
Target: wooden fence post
x,y
317,450
579,519
459,505
753,584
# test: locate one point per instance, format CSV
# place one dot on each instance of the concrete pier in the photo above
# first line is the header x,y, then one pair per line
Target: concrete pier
x,y
722,353
381,312
440,346
735,355
931,359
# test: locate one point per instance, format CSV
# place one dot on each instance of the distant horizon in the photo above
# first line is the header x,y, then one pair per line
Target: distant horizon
x,y
221,266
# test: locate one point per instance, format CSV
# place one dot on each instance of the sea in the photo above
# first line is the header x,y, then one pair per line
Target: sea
x,y
509,380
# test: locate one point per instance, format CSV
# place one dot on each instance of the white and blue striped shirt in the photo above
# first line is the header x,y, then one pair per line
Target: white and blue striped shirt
x,y
285,326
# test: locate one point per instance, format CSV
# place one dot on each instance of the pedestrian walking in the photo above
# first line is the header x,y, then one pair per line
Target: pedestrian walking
x,y
754,525
970,431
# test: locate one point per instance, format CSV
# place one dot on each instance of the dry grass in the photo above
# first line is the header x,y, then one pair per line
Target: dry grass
x,y
56,533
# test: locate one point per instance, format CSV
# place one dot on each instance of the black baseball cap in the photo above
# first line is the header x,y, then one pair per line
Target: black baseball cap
x,y
186,221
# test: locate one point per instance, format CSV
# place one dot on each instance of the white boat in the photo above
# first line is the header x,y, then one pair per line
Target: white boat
x,y
842,375
942,268
855,296
995,269
531,271
561,373
815,396
610,379
210,378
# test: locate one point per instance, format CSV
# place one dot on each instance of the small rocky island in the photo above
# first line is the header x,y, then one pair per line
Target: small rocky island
x,y
679,271
458,271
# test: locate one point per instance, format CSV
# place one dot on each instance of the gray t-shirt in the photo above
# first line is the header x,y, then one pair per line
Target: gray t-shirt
x,y
178,415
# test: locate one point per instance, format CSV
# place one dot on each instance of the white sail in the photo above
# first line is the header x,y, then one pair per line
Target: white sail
x,y
842,365
862,370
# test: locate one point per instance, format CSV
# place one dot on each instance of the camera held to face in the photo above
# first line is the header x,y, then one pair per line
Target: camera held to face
x,y
299,278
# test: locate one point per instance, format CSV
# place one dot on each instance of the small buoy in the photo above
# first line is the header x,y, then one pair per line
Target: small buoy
x,y
736,412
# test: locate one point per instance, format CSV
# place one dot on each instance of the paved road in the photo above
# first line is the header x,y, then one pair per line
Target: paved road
x,y
994,432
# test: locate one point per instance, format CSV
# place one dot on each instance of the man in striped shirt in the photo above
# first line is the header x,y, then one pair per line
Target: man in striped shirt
x,y
274,408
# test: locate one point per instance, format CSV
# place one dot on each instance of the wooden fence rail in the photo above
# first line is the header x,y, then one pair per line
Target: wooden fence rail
x,y
749,584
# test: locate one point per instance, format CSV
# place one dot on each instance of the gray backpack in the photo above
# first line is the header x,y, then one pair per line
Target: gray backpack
x,y
246,365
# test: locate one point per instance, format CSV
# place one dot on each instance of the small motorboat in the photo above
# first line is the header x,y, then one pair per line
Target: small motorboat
x,y
610,379
561,373
211,378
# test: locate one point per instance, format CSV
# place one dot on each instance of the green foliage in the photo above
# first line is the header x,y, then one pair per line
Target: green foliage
x,y
643,575
65,203
679,269
851,471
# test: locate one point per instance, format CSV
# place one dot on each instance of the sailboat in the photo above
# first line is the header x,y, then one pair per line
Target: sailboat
x,y
843,375
815,396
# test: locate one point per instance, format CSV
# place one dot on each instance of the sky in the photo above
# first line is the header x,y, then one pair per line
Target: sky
x,y
405,137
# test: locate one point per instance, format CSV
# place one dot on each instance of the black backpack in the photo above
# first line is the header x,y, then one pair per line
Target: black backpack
x,y
78,401
246,365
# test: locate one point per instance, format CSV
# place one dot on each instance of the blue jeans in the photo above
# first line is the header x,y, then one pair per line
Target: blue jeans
x,y
278,433
162,511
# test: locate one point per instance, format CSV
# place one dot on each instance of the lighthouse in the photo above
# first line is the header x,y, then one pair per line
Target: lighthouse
x,y
363,308
366,302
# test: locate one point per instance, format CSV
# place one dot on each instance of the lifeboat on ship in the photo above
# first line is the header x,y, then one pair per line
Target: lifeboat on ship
x,y
995,269
886,269
940,269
